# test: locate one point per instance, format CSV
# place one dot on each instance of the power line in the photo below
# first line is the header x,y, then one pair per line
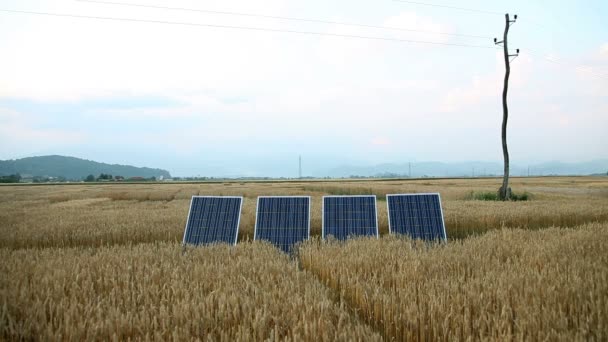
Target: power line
x,y
283,18
556,60
541,55
584,68
450,7
246,28
538,26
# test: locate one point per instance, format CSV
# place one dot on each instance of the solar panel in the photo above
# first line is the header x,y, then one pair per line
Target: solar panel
x,y
418,215
213,219
283,220
345,216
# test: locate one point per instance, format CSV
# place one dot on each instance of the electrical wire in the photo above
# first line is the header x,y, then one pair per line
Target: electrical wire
x,y
449,7
282,18
552,59
245,28
556,60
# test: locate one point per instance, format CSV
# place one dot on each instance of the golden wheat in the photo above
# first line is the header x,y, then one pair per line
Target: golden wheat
x,y
151,291
104,262
465,218
508,284
98,215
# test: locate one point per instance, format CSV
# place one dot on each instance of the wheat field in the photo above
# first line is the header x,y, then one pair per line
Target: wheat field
x,y
504,285
104,261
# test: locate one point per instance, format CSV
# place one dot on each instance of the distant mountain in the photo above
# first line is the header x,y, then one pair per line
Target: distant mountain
x,y
468,169
73,168
584,168
419,169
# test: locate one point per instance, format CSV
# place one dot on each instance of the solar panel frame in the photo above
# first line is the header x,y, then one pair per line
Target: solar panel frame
x,y
330,196
238,222
388,210
255,229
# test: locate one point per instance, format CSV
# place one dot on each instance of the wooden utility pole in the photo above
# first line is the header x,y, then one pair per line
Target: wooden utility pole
x,y
504,193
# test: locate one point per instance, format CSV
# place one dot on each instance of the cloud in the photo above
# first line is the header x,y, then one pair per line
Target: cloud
x,y
231,93
380,141
19,136
479,89
604,51
488,86
594,72
348,53
112,58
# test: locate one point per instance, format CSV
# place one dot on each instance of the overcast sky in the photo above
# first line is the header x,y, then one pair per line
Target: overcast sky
x,y
223,101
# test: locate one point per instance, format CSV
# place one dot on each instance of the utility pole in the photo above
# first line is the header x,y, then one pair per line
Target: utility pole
x,y
410,169
300,166
504,193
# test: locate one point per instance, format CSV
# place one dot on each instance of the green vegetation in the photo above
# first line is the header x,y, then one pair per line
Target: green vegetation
x,y
493,196
15,178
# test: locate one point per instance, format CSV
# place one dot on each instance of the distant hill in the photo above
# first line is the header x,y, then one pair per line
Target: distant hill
x,y
467,169
73,168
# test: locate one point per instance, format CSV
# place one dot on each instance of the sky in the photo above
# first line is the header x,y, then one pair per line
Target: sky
x,y
221,101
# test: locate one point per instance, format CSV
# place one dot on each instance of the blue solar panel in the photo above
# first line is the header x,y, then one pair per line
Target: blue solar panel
x,y
418,215
345,216
213,219
283,220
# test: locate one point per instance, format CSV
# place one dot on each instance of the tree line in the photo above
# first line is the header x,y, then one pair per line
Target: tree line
x,y
103,177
